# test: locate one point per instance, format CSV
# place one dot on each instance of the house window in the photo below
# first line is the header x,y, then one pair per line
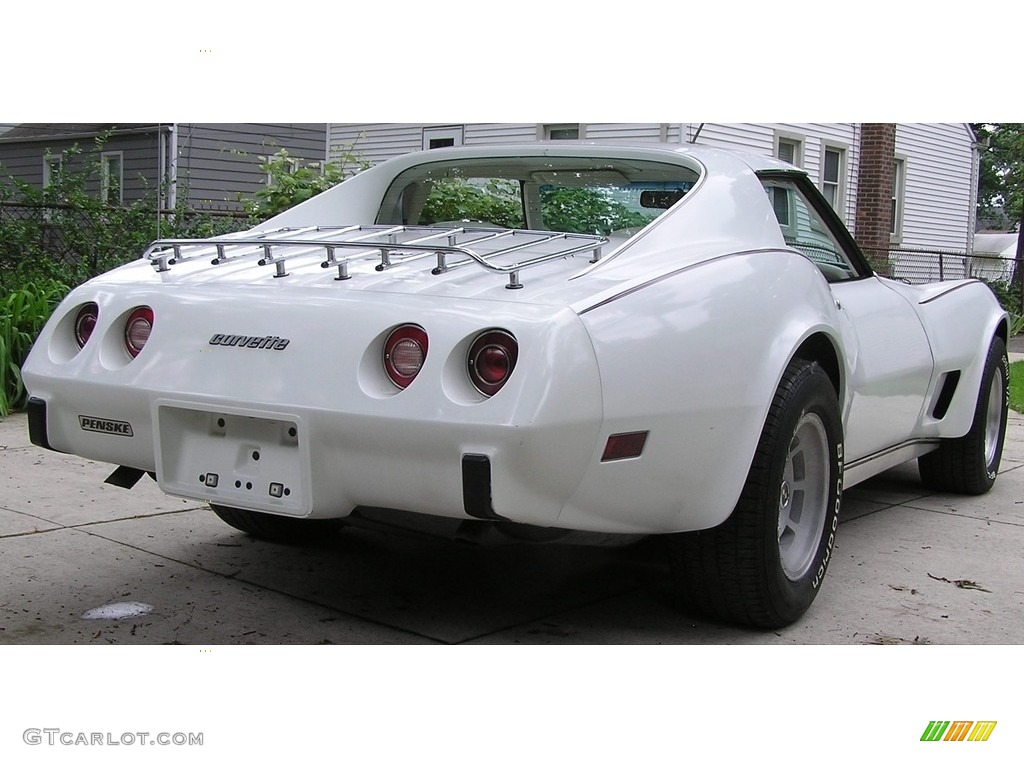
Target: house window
x,y
899,190
789,149
280,164
51,167
446,136
833,165
112,178
561,131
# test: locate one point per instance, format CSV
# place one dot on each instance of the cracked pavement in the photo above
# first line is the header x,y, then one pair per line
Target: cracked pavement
x,y
910,567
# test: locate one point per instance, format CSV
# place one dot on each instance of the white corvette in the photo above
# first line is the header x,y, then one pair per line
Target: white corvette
x,y
643,340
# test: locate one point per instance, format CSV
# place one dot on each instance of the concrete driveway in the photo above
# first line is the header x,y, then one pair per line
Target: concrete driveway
x,y
910,567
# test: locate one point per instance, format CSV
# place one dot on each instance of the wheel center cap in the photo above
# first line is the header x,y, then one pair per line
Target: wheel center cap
x,y
784,495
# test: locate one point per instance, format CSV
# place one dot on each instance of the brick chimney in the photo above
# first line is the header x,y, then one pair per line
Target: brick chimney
x,y
873,221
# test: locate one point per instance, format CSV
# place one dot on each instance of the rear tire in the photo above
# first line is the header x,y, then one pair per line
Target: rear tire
x,y
969,464
284,530
763,566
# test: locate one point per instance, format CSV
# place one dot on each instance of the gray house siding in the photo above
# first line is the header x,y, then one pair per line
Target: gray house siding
x,y
24,159
375,142
217,162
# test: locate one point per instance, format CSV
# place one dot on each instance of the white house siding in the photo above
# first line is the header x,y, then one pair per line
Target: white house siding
x,y
938,199
938,207
637,132
500,133
376,142
739,136
373,142
760,139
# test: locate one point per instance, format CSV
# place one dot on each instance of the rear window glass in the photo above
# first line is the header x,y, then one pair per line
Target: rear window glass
x,y
575,195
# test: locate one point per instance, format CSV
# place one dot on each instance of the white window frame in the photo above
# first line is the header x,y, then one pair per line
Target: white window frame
x,y
105,158
457,133
899,198
293,166
840,183
545,131
798,141
51,162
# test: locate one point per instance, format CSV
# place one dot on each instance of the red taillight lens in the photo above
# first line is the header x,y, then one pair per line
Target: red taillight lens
x,y
492,358
137,330
85,323
404,353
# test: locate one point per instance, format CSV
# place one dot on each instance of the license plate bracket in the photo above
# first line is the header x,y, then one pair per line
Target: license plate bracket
x,y
234,457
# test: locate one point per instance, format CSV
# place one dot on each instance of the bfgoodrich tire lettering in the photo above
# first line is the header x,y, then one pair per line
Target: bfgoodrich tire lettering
x,y
969,464
288,530
765,565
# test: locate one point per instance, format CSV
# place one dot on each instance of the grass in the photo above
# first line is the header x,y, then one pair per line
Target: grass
x,y
1017,386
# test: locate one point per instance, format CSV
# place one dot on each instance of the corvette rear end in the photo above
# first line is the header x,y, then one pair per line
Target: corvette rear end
x,y
601,339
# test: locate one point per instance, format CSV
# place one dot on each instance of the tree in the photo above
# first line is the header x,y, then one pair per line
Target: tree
x,y
1001,182
293,180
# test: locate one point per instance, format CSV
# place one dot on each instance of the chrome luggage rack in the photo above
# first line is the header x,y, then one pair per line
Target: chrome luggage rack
x,y
453,246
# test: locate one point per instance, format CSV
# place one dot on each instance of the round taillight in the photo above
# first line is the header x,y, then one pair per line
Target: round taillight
x,y
404,353
492,358
85,323
137,330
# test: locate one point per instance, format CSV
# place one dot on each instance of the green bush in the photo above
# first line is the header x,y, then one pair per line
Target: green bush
x,y
564,209
65,232
22,315
54,238
292,180
457,200
587,211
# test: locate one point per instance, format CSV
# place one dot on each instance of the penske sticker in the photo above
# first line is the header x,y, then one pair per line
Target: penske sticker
x,y
106,426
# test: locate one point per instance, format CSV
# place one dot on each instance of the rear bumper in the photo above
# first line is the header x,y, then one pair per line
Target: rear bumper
x,y
324,464
332,463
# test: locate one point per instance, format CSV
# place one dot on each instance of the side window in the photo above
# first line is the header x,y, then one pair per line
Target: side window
x,y
804,230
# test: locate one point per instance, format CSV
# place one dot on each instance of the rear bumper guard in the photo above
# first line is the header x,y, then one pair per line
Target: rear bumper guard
x,y
37,423
476,487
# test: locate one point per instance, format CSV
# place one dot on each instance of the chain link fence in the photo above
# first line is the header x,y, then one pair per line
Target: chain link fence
x,y
929,266
76,242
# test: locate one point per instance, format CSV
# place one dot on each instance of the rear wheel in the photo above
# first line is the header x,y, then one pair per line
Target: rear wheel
x,y
289,530
969,464
765,564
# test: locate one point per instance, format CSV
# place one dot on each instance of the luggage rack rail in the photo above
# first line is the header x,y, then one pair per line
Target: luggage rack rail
x,y
452,246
